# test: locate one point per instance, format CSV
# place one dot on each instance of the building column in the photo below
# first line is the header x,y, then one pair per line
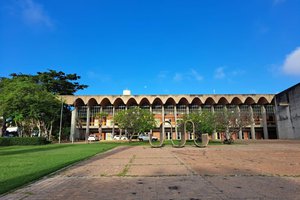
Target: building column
x,y
215,134
187,110
113,128
88,119
265,124
175,118
73,124
241,129
163,119
150,109
252,123
227,128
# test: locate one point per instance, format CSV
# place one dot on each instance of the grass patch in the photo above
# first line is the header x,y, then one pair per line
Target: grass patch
x,y
126,168
22,164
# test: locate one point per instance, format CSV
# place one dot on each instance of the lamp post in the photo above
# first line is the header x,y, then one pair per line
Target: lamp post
x,y
60,123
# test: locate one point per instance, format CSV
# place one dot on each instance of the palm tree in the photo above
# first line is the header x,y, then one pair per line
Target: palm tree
x,y
101,116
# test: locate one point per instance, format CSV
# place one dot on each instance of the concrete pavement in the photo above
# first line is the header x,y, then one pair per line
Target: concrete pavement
x,y
254,171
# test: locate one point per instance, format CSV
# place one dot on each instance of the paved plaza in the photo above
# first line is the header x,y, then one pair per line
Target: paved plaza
x,y
258,170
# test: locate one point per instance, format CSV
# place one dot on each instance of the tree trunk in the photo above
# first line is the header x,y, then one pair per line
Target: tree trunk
x,y
50,131
3,127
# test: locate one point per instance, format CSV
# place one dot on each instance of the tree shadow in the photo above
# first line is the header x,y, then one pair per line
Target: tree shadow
x,y
31,150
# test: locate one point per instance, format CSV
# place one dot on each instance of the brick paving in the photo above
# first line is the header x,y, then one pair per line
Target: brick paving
x,y
260,170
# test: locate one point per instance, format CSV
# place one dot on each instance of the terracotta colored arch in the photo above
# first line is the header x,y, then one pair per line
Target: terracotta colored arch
x,y
78,102
210,101
223,101
144,102
132,102
236,101
170,101
183,101
249,101
118,102
105,102
196,101
157,101
92,102
262,101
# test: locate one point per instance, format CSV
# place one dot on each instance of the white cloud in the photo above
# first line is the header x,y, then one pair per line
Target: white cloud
x,y
219,73
277,2
196,75
34,14
291,64
162,74
96,76
177,77
188,75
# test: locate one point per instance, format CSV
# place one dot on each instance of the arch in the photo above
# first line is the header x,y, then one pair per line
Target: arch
x,y
183,101
92,102
236,101
118,102
144,101
223,101
262,101
210,101
132,102
170,101
78,102
196,101
157,101
105,102
249,101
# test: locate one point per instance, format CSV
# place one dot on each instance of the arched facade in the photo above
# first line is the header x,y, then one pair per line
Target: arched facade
x,y
174,107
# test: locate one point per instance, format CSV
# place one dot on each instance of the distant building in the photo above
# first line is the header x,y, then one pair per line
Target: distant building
x,y
273,116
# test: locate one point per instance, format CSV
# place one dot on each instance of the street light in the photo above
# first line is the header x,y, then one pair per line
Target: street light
x,y
60,123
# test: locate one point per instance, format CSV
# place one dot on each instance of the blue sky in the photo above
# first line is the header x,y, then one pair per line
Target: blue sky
x,y
156,47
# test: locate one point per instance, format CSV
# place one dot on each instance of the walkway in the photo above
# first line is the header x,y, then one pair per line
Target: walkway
x,y
255,171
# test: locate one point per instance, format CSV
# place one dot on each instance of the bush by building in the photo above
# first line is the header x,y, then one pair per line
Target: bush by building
x,y
23,141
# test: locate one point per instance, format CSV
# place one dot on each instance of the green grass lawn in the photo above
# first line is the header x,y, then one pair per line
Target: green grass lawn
x,y
23,164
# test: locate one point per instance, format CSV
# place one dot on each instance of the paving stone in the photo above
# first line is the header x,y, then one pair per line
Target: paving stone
x,y
259,170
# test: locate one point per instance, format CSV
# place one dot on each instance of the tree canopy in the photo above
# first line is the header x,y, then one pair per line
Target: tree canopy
x,y
204,121
28,104
135,120
56,82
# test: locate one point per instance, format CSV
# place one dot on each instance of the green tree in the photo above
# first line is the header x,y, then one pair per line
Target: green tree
x,y
204,122
135,120
56,82
29,105
101,116
231,121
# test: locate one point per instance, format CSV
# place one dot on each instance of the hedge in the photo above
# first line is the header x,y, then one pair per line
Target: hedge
x,y
23,141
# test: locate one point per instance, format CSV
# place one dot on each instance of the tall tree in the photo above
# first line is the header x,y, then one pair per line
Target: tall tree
x,y
135,121
28,104
232,121
101,116
56,82
204,122
60,83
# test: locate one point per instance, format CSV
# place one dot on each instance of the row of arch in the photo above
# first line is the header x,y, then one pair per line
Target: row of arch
x,y
169,101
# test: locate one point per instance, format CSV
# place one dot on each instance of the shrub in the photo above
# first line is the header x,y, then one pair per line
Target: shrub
x,y
23,141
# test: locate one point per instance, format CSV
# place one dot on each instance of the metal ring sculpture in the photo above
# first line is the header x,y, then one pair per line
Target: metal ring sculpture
x,y
183,139
196,137
161,135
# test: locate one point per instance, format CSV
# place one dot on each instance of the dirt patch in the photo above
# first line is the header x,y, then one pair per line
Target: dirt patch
x,y
269,158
